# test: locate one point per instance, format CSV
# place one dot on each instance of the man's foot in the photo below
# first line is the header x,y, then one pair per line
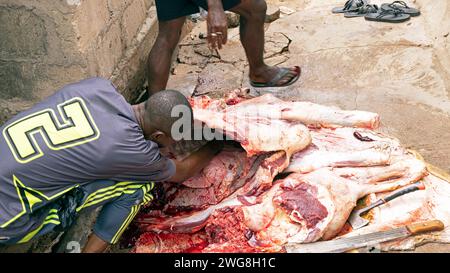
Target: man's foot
x,y
272,76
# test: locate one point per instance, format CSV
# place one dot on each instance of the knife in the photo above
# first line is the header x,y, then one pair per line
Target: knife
x,y
359,241
357,222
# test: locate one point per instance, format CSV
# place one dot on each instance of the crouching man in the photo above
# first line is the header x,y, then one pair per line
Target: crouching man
x,y
82,148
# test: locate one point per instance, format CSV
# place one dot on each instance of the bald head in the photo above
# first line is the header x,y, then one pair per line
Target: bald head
x,y
159,109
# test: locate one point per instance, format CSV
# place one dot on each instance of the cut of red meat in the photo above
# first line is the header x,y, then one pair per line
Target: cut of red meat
x,y
187,199
227,224
302,204
226,173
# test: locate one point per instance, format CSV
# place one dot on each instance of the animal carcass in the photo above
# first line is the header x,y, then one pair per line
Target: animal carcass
x,y
267,124
301,207
255,183
226,173
269,106
239,203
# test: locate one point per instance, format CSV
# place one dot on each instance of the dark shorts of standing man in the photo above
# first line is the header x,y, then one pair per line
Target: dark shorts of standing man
x,y
172,9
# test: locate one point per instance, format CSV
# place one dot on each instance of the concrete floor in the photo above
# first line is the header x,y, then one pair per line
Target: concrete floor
x,y
401,71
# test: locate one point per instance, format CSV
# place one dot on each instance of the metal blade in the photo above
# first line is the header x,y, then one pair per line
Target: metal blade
x,y
356,221
345,244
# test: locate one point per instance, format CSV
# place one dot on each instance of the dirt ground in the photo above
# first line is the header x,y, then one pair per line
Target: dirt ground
x,y
401,71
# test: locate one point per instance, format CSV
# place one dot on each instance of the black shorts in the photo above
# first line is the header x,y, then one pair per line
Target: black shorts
x,y
173,9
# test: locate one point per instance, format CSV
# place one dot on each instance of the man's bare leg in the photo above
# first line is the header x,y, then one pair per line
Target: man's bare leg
x,y
253,13
95,245
160,57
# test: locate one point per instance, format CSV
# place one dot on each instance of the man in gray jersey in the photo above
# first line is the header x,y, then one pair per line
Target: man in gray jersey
x,y
82,148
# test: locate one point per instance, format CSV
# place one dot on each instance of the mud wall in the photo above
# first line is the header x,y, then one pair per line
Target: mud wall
x,y
46,44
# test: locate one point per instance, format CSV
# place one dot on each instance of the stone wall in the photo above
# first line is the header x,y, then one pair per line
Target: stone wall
x,y
46,44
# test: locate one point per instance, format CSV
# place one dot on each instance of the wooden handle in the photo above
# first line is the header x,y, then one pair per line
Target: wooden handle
x,y
434,225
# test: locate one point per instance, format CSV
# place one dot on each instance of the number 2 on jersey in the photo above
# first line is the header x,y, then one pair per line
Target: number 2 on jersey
x,y
77,128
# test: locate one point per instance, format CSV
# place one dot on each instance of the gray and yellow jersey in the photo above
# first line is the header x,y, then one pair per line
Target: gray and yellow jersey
x,y
83,133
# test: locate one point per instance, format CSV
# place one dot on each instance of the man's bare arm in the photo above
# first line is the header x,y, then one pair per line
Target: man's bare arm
x,y
196,162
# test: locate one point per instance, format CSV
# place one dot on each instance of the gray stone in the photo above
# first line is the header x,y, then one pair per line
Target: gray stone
x,y
276,43
233,19
232,52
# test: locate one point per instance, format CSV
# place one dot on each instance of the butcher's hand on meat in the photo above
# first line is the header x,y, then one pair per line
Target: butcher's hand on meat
x,y
193,164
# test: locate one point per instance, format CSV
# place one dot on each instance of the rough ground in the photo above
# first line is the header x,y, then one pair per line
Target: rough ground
x,y
401,71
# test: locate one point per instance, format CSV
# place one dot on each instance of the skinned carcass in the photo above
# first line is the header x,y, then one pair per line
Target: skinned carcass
x,y
307,113
349,149
271,165
266,123
240,204
265,222
344,147
226,173
304,208
300,208
269,106
257,134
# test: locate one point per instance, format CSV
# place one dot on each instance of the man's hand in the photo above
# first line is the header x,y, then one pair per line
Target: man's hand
x,y
217,25
196,162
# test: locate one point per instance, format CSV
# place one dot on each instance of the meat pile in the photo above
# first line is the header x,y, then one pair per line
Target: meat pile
x,y
296,176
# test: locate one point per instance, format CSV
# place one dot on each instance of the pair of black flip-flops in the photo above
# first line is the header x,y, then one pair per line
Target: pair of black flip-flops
x,y
395,12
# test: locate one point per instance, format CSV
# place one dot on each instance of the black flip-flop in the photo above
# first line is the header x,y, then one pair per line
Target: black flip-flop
x,y
401,5
281,74
350,5
388,16
362,11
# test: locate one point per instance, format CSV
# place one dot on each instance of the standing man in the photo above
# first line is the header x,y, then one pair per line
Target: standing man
x,y
86,147
172,15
